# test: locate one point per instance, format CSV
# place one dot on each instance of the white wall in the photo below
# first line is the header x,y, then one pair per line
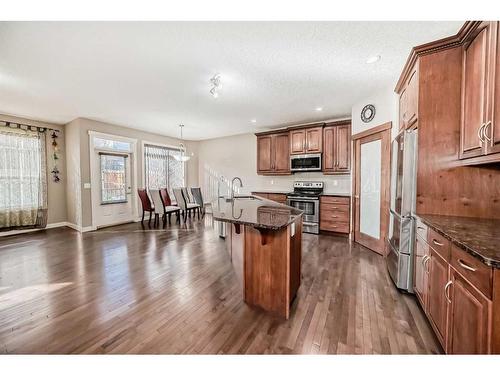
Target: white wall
x,y
386,109
237,156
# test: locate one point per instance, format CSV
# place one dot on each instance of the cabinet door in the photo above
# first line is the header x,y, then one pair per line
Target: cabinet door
x,y
474,84
420,278
438,306
281,146
329,149
470,311
412,98
297,141
343,146
264,159
314,139
402,109
492,130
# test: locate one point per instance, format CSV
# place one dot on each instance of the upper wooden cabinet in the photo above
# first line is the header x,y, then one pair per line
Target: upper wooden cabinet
x,y
306,140
408,100
480,117
273,154
337,148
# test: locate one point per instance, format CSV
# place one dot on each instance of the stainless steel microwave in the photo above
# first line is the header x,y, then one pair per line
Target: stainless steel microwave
x,y
305,162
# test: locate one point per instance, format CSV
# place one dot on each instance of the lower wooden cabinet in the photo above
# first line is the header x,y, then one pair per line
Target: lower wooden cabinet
x,y
334,214
455,291
437,303
276,197
421,271
469,313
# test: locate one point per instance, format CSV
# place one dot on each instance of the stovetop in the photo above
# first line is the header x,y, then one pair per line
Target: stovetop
x,y
306,189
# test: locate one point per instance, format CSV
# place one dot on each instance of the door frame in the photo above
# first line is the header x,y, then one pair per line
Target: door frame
x,y
383,133
94,193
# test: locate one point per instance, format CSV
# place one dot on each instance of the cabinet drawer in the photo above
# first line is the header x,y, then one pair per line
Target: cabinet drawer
x,y
335,200
473,270
334,226
338,213
440,244
262,195
422,229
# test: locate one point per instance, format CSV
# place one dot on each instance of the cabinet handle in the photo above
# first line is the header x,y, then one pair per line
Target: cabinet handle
x,y
480,133
447,291
426,262
334,216
486,126
437,242
420,228
466,266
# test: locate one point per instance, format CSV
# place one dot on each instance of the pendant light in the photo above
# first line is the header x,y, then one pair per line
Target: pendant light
x,y
182,156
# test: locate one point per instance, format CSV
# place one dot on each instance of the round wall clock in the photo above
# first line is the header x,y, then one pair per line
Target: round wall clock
x,y
368,113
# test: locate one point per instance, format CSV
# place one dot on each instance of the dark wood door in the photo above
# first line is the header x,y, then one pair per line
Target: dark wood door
x,y
474,92
421,273
264,156
437,304
492,129
470,311
371,190
329,149
314,139
343,146
297,141
281,147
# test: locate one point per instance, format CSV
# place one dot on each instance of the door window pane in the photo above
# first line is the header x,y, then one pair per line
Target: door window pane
x,y
370,179
113,179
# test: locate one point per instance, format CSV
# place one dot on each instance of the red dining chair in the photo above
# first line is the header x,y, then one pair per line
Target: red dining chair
x,y
146,204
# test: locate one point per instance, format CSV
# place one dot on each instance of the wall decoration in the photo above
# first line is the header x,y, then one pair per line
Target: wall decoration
x,y
55,157
368,113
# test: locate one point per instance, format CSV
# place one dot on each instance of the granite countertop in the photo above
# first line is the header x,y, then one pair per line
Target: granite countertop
x,y
271,191
255,211
479,237
336,194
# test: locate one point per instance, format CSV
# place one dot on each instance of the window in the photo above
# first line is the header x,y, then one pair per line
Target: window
x,y
113,178
111,144
162,169
23,179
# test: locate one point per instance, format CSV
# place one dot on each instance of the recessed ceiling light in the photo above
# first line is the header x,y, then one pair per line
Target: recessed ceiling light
x,y
319,109
253,120
373,59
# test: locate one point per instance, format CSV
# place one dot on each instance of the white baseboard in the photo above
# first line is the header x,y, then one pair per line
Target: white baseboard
x,y
21,231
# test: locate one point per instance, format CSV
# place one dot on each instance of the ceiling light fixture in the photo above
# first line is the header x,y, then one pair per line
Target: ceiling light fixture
x,y
253,121
216,85
319,109
182,156
373,59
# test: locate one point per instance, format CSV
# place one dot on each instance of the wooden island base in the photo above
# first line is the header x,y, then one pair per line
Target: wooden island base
x,y
267,263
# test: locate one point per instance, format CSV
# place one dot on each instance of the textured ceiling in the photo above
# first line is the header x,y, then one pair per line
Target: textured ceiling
x,y
154,75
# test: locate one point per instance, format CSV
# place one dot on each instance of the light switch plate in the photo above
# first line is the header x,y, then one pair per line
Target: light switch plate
x,y
87,185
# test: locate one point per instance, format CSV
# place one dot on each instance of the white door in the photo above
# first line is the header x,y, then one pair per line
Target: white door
x,y
112,177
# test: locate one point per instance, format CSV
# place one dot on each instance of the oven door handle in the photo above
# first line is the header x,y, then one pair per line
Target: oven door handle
x,y
296,199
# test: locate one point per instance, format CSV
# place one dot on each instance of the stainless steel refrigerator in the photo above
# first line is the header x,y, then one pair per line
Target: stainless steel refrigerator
x,y
402,209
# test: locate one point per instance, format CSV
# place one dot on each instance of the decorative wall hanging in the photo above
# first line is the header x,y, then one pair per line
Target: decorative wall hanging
x,y
368,113
55,157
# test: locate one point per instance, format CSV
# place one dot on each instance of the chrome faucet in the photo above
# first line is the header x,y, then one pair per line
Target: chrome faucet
x,y
232,186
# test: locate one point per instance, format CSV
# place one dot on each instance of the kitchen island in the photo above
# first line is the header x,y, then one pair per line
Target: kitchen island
x,y
264,241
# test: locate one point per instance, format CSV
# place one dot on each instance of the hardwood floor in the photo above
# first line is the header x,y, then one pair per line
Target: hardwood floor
x,y
127,290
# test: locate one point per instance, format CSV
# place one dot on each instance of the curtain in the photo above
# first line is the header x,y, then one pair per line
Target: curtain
x,y
162,169
23,179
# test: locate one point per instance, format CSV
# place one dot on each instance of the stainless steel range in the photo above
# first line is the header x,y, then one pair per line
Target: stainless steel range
x,y
305,197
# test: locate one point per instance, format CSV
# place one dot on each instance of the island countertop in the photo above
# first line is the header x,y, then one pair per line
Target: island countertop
x,y
254,211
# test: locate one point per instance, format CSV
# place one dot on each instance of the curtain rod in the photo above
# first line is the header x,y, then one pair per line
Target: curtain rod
x,y
17,125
